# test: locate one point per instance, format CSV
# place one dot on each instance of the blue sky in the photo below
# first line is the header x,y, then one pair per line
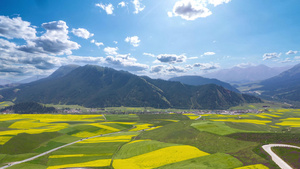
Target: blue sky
x,y
157,38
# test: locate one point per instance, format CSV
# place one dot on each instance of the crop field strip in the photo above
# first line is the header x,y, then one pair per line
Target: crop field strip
x,y
230,139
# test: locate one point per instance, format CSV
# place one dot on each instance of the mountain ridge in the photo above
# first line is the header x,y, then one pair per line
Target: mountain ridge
x,y
95,86
199,80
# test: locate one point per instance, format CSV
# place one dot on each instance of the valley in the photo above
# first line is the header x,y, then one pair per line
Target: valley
x,y
139,140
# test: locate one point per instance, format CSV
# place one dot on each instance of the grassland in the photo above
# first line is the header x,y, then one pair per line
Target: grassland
x,y
149,140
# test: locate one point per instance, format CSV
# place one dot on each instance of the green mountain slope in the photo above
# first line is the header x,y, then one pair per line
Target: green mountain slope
x,y
95,86
285,86
198,80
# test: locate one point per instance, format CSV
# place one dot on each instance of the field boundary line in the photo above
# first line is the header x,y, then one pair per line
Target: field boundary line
x,y
52,150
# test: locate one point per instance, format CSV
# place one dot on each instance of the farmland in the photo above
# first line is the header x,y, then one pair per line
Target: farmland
x,y
149,140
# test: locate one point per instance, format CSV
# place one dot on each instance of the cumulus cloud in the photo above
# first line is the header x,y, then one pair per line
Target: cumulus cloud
x,y
122,61
291,52
109,8
175,69
111,50
209,53
190,10
16,28
193,9
134,41
149,54
97,43
189,67
11,59
191,58
218,2
122,4
286,60
171,58
138,6
84,60
206,66
268,56
82,33
55,41
157,68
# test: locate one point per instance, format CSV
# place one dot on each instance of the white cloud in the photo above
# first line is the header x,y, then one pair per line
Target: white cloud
x,y
82,33
291,52
157,69
268,56
193,9
193,58
189,67
190,10
111,50
84,60
16,28
286,60
176,69
122,61
170,14
244,65
122,4
134,41
149,54
209,53
109,8
115,42
171,58
97,43
138,6
206,66
55,41
297,57
218,2
12,59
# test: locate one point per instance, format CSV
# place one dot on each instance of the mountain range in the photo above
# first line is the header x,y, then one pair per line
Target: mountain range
x,y
285,86
239,75
95,86
198,81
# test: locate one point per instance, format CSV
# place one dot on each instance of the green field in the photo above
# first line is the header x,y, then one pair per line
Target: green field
x,y
149,140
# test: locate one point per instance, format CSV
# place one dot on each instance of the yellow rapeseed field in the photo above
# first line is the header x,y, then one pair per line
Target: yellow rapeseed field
x,y
253,121
127,123
141,127
135,141
292,122
105,127
90,134
124,138
154,159
96,163
152,128
28,124
263,116
77,155
256,166
4,139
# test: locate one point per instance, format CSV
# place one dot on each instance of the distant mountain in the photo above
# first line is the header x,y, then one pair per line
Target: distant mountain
x,y
6,81
62,71
95,86
198,80
31,79
247,74
283,86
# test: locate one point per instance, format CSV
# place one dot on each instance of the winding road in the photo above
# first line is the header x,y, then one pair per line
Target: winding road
x,y
50,151
282,164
